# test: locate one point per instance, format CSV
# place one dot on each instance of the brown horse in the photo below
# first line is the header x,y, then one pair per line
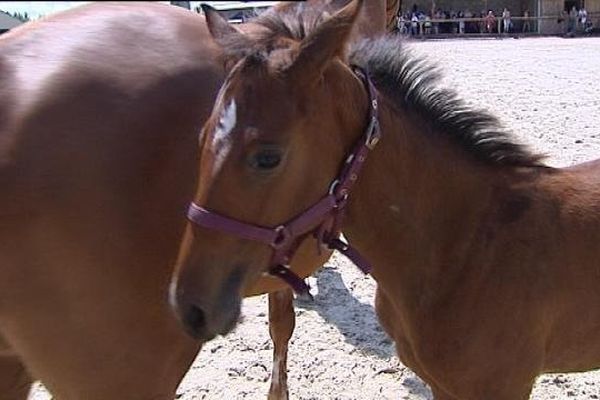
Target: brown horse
x,y
100,110
486,259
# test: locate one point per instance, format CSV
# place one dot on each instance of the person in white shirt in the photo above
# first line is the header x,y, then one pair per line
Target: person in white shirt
x,y
506,20
582,17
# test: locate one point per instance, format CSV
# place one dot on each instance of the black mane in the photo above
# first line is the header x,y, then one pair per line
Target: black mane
x,y
412,83
409,80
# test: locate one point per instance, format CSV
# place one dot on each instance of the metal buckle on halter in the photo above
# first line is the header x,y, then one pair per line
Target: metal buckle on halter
x,y
301,288
373,134
338,244
344,196
282,238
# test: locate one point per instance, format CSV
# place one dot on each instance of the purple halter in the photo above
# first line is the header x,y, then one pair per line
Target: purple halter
x,y
326,214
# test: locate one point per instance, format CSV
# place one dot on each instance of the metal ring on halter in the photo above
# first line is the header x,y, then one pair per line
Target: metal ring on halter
x,y
333,185
344,196
283,236
372,139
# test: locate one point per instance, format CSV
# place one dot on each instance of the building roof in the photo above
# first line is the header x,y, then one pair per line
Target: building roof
x,y
237,5
8,21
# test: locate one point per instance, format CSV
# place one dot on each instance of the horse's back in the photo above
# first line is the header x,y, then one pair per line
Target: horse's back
x,y
578,189
589,167
101,80
100,110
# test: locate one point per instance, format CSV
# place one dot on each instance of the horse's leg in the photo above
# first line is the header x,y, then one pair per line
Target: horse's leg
x,y
15,381
282,321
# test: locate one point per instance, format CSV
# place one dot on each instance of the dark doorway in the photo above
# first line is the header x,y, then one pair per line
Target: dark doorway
x,y
570,3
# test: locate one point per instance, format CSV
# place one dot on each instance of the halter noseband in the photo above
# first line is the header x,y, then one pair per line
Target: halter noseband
x,y
326,214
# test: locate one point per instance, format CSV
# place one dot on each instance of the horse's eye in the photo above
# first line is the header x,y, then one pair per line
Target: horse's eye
x,y
266,159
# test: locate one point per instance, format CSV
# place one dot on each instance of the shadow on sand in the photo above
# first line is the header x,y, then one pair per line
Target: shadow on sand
x,y
355,320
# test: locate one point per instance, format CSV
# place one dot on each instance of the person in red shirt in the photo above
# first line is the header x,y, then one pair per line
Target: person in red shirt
x,y
490,21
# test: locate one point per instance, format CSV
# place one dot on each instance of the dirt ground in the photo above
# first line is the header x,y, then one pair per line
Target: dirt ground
x,y
547,90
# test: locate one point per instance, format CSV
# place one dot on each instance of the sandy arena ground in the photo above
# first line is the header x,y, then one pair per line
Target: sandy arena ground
x,y
548,91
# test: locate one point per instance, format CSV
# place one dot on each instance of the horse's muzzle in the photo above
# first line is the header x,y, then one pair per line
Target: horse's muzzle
x,y
202,321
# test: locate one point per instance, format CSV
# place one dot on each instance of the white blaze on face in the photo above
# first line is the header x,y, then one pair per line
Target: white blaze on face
x,y
227,122
221,143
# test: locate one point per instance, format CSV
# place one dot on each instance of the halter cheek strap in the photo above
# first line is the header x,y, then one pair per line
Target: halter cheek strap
x,y
323,219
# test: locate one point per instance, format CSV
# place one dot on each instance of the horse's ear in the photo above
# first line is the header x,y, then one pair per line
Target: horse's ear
x,y
327,41
220,29
371,20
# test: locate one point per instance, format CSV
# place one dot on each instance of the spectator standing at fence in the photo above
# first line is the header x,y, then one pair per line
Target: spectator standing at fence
x,y
436,25
427,24
401,24
490,21
461,23
414,24
572,20
582,17
564,19
526,26
482,23
506,20
453,25
589,27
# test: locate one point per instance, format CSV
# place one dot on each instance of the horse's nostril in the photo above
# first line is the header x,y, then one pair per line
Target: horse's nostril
x,y
195,321
195,316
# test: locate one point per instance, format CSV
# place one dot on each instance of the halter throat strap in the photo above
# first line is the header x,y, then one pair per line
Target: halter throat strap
x,y
323,219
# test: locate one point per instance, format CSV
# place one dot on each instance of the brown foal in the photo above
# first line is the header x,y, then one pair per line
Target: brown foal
x,y
486,259
100,112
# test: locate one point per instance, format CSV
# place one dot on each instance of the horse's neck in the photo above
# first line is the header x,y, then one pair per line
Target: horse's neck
x,y
419,199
